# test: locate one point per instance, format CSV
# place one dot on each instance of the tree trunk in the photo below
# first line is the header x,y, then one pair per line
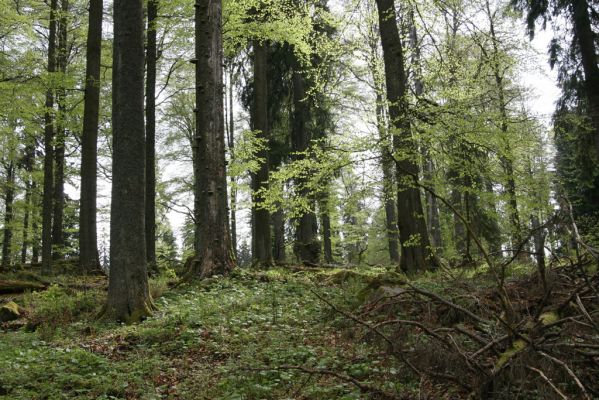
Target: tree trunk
x,y
59,146
261,246
151,58
128,297
9,197
214,254
28,161
506,157
88,233
35,242
415,247
388,183
231,145
49,149
326,229
278,224
307,246
432,209
586,44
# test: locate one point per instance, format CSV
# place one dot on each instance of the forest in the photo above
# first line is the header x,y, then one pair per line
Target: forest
x,y
299,199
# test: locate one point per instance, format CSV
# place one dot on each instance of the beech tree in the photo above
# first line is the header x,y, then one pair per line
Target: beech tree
x,y
416,254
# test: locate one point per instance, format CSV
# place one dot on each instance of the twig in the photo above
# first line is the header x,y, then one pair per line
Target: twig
x,y
546,379
570,372
373,329
448,303
364,387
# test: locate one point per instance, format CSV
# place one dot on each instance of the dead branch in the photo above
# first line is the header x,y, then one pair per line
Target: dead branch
x,y
546,379
364,387
569,371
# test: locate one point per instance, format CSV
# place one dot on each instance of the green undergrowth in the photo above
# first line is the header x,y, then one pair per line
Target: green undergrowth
x,y
221,338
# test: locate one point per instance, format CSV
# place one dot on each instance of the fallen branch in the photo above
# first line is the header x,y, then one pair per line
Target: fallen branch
x,y
546,379
570,372
364,387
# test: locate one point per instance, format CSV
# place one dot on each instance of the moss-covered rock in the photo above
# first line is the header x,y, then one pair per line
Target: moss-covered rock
x,y
9,312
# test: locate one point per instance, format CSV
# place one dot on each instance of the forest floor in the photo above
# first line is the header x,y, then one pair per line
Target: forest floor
x,y
278,334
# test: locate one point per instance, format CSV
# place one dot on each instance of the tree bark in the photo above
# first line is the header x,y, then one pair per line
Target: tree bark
x,y
128,297
586,44
9,197
326,228
151,58
231,145
416,254
432,208
389,187
261,242
59,143
278,224
506,157
88,233
49,149
307,246
214,255
28,161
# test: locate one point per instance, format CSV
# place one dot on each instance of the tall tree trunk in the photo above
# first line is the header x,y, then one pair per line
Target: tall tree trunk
x,y
506,155
231,145
415,247
88,233
586,45
128,294
151,58
28,161
389,187
59,147
278,225
432,208
49,149
326,228
307,246
214,254
35,240
9,197
261,242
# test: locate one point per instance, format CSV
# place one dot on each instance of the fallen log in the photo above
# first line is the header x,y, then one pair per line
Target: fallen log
x,y
13,286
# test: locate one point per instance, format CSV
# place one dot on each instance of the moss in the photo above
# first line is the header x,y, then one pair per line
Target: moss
x,y
9,312
507,355
548,317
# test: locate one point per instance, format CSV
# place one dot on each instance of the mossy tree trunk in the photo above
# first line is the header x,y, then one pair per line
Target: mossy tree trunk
x,y
128,297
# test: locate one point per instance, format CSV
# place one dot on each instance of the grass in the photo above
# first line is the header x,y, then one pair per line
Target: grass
x,y
223,338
